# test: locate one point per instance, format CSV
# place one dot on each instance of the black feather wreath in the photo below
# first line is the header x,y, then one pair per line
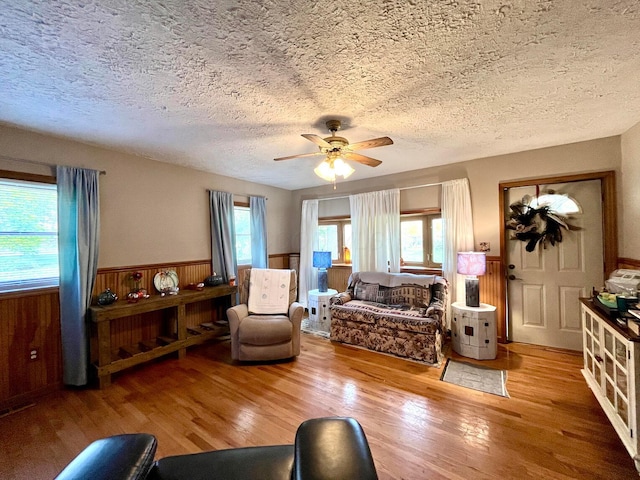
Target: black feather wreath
x,y
536,225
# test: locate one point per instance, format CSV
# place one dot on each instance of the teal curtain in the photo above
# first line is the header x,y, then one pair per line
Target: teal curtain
x,y
223,235
258,209
78,236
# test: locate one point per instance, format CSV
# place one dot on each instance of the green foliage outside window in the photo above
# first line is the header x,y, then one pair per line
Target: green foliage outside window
x,y
28,235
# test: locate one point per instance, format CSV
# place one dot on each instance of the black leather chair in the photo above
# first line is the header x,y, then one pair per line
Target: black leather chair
x,y
330,448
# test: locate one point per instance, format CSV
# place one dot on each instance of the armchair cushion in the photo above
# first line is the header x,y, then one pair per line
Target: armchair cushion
x,y
265,329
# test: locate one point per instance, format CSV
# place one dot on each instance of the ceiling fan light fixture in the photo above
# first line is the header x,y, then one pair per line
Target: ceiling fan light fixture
x,y
325,171
342,168
330,169
334,147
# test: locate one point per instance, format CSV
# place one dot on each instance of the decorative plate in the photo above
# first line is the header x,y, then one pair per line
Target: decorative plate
x,y
166,280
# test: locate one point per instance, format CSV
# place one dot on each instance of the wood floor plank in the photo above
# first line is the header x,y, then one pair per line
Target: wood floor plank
x,y
418,427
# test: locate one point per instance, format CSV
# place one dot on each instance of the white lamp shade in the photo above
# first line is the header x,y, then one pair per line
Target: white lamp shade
x,y
330,169
472,263
325,171
342,169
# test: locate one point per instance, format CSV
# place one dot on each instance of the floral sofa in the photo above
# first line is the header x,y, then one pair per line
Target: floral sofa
x,y
398,313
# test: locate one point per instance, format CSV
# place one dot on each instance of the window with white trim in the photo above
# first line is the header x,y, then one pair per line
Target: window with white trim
x,y
242,220
28,235
421,240
334,236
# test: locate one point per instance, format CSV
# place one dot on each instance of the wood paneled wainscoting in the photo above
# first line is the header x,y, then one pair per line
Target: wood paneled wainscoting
x,y
132,329
491,292
338,277
629,263
29,321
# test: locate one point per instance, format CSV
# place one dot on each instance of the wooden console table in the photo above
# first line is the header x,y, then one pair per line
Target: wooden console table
x,y
109,362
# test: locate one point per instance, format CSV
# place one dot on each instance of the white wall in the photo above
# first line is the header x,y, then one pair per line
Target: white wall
x,y
151,212
484,175
629,214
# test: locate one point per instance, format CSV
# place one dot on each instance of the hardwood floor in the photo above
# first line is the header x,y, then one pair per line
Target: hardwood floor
x,y
418,427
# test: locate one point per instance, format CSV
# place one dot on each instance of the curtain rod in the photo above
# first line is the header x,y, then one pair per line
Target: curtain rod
x,y
401,188
240,194
36,162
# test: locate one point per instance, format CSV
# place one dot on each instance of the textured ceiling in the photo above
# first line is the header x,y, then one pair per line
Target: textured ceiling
x,y
227,86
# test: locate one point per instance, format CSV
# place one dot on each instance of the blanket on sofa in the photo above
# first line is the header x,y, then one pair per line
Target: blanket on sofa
x,y
397,279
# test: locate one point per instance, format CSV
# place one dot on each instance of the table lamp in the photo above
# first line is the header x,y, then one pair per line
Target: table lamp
x,y
322,261
472,264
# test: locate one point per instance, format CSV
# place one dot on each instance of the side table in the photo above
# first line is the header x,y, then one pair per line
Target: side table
x,y
319,313
474,332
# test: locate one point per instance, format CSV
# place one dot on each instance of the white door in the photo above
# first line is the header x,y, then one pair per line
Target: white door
x,y
544,285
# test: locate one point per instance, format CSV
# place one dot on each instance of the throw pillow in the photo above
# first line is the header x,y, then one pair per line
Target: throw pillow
x,y
366,291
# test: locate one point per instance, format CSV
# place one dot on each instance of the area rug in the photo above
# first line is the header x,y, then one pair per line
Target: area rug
x,y
476,377
313,328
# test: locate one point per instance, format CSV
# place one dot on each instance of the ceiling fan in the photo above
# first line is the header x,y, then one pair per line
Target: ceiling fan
x,y
337,149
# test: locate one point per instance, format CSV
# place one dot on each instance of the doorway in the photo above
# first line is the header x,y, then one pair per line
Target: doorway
x,y
544,285
609,252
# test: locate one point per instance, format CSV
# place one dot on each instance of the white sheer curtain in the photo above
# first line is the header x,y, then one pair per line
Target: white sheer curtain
x,y
458,232
308,243
375,226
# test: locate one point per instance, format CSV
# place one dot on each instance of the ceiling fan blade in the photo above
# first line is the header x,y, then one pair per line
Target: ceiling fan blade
x,y
299,156
317,140
374,142
372,162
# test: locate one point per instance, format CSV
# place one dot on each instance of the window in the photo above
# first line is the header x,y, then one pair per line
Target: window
x,y
421,241
242,220
333,236
28,235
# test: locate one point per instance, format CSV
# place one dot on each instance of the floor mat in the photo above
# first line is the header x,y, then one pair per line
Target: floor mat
x,y
476,377
309,326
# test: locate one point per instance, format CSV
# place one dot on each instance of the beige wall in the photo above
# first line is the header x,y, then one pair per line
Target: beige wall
x,y
484,176
629,215
151,212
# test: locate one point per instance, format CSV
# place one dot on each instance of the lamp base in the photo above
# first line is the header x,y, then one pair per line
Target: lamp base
x,y
472,291
322,280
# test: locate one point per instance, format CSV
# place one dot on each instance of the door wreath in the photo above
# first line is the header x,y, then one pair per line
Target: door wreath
x,y
537,225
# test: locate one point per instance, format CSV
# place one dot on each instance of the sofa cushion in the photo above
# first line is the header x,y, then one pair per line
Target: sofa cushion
x,y
398,317
265,329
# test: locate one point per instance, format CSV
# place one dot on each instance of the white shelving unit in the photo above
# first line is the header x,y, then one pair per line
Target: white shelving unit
x,y
611,360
